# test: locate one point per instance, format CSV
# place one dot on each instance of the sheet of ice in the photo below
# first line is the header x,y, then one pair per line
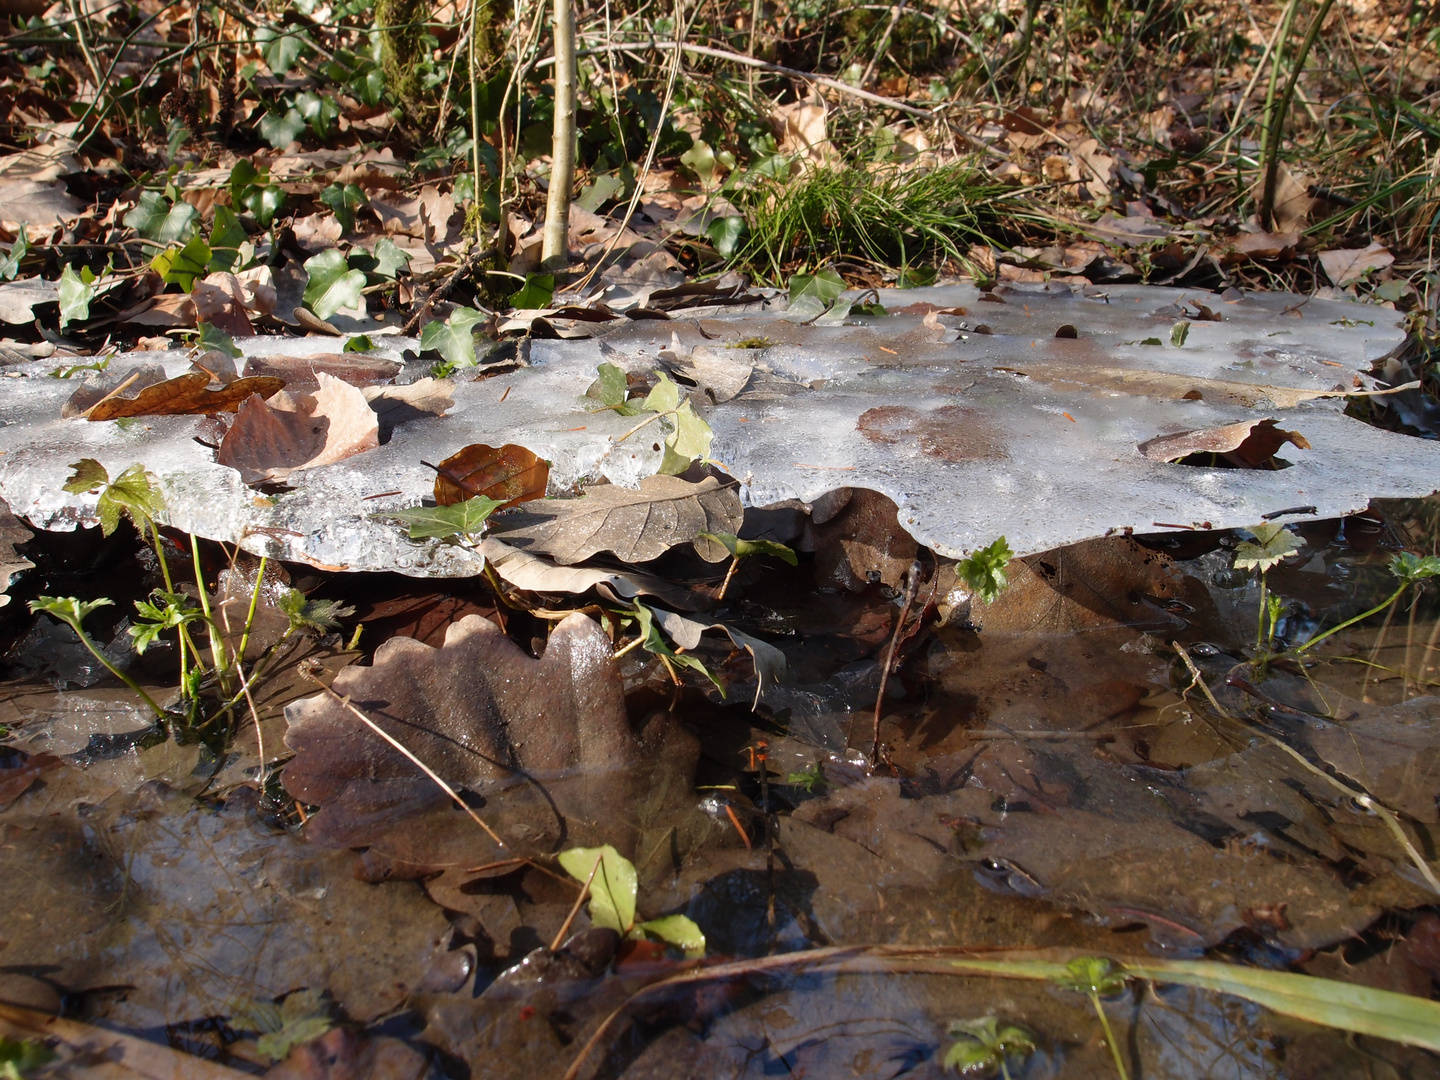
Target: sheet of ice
x,y
966,435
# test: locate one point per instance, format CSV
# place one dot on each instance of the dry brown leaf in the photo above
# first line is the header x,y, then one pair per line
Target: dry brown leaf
x,y
861,544
1165,384
169,311
220,301
302,373
1249,444
1346,266
1292,201
400,404
1262,245
268,443
510,473
637,525
185,395
802,130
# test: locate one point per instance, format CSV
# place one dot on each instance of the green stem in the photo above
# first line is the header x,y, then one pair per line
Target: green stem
x,y
1260,618
160,713
1275,110
1109,1036
182,636
250,615
1348,622
217,652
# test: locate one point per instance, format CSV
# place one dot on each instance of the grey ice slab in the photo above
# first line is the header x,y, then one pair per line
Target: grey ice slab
x,y
968,448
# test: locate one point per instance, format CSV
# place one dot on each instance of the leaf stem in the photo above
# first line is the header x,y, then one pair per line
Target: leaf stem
x,y
160,714
1109,1035
1300,649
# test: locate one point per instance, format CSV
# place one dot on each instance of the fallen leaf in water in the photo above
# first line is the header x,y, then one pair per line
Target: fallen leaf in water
x,y
1346,266
1249,444
510,474
637,525
190,394
858,541
18,770
542,741
769,661
268,443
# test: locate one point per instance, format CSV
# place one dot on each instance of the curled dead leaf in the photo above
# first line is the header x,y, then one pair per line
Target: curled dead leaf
x,y
510,473
1250,444
269,441
190,394
301,373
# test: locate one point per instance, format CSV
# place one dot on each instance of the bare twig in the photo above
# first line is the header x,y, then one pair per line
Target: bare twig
x,y
912,586
469,264
575,907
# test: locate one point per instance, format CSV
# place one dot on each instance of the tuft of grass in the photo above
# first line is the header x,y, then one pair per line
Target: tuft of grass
x,y
881,215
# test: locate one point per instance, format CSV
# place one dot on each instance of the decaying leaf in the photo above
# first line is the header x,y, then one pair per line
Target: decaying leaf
x,y
302,373
637,525
191,394
268,443
1346,266
544,741
1249,444
400,404
536,574
12,532
769,661
510,474
858,541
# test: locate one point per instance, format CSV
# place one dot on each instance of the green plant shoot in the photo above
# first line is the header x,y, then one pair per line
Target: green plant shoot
x,y
614,887
984,571
985,1046
1097,977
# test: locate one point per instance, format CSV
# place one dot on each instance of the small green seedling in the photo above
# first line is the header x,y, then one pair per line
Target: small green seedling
x,y
651,640
744,549
984,571
811,780
1097,977
1272,543
302,1017
72,612
21,1057
1411,569
985,1046
614,887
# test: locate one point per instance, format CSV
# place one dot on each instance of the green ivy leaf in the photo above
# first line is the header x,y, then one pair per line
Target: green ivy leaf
x,y
211,337
460,519
181,266
332,285
281,129
1178,333
537,292
359,343
344,200
824,285
21,1056
319,111
727,234
226,236
390,259
613,887
75,297
10,264
243,176
156,218
984,571
744,549
1271,544
916,277
265,203
613,388
454,339
280,50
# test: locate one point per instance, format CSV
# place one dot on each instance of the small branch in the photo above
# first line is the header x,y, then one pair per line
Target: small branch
x,y
555,250
472,260
575,908
912,586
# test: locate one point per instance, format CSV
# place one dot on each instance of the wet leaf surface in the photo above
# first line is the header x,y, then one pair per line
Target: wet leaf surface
x,y
509,474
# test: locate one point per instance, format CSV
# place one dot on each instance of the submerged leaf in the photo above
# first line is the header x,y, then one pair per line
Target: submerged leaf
x,y
459,519
509,475
613,886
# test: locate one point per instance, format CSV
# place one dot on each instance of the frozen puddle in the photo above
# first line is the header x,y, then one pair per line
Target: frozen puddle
x,y
974,434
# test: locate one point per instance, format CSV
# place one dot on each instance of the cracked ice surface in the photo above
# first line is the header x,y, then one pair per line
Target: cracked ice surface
x,y
981,436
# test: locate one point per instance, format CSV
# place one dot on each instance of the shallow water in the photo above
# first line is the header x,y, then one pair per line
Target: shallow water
x,y
1053,780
